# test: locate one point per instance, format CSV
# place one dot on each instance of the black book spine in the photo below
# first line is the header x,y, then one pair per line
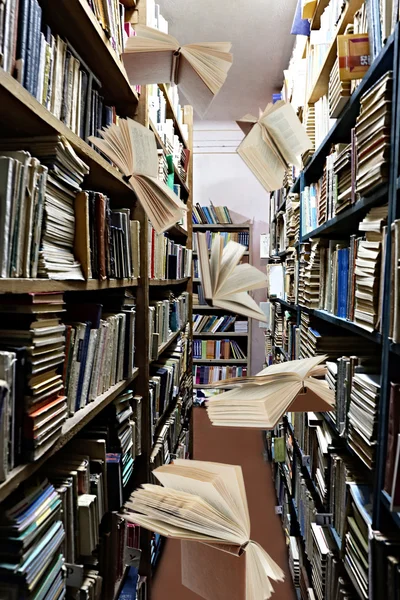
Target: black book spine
x,y
83,104
64,103
23,15
29,44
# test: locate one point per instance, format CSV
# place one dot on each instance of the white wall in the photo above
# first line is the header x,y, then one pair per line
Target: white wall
x,y
221,176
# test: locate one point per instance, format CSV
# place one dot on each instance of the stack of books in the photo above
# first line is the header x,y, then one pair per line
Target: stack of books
x,y
338,92
167,259
49,218
363,416
217,349
368,271
311,274
34,564
112,20
309,125
373,135
343,179
304,259
359,524
32,339
241,326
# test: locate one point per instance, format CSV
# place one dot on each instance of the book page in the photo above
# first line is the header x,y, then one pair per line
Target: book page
x,y
244,278
217,249
144,147
205,271
287,132
232,254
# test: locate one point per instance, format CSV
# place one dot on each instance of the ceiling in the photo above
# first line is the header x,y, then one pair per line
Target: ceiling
x,y
261,45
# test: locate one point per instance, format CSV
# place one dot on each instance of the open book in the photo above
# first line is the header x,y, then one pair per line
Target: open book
x,y
133,149
225,282
206,502
199,70
261,401
272,143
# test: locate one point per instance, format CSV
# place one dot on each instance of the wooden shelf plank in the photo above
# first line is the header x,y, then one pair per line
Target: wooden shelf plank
x,y
220,361
320,85
221,334
166,282
160,143
166,344
221,226
70,428
316,20
75,21
22,115
23,286
247,253
178,230
171,114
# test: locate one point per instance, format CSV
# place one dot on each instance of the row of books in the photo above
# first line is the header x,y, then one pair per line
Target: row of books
x,y
167,259
111,16
53,364
166,379
166,316
176,152
344,278
352,170
52,71
217,349
204,375
216,324
210,215
107,241
241,237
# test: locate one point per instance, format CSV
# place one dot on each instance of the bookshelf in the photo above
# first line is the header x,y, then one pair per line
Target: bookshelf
x,y
243,339
22,115
320,448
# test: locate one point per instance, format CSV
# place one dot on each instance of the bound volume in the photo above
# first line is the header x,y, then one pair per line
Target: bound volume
x,y
204,504
272,143
200,70
133,149
225,282
262,400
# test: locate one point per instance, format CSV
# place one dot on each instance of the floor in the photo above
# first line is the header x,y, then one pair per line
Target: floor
x,y
241,447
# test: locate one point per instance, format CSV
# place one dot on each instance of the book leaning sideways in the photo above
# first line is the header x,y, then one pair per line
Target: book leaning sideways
x,y
204,505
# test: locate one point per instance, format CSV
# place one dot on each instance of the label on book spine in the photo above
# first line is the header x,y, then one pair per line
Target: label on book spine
x,y
278,510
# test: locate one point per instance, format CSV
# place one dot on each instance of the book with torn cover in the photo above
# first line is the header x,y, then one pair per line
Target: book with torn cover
x,y
274,141
199,70
260,401
133,149
225,281
204,504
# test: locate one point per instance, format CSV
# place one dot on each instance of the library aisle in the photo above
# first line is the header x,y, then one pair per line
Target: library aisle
x,y
235,447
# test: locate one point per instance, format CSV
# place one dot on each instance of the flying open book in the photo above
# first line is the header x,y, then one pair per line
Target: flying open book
x,y
261,401
225,282
199,70
205,505
133,149
272,143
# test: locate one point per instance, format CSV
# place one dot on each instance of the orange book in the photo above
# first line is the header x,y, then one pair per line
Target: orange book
x,y
354,56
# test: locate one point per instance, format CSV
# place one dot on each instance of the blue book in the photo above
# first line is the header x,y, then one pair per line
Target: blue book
x,y
129,588
339,296
345,281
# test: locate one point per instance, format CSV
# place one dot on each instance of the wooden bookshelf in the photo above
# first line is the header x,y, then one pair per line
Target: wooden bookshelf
x,y
320,84
171,115
246,346
71,427
22,116
23,286
341,437
178,178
